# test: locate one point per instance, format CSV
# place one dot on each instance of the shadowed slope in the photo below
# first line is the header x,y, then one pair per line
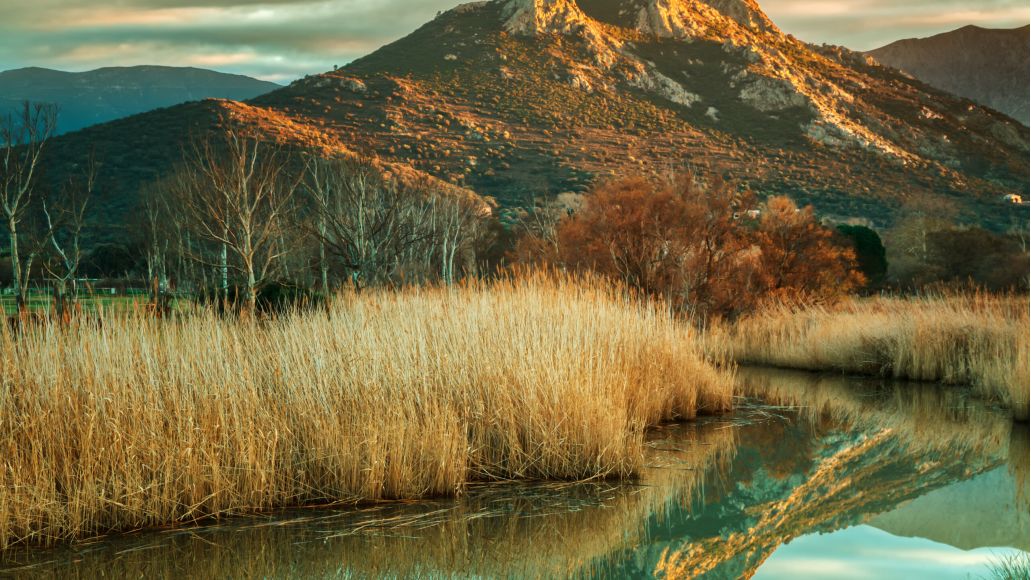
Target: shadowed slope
x,y
985,65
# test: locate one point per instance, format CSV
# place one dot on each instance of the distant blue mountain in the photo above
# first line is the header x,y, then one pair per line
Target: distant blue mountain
x,y
106,94
986,65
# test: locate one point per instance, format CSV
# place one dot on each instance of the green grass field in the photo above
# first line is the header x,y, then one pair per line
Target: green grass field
x,y
45,302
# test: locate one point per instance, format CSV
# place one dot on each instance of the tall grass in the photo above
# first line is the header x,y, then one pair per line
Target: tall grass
x,y
134,422
978,340
557,530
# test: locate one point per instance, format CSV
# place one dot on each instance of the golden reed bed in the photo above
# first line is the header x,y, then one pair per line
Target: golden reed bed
x,y
977,339
139,422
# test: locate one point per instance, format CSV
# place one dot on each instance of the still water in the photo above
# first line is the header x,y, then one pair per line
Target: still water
x,y
812,477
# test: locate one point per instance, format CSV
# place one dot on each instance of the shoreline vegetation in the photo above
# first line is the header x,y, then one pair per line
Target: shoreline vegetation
x,y
128,421
234,391
133,421
976,339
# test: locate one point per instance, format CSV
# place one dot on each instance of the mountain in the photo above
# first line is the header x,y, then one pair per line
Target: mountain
x,y
983,511
988,66
105,94
522,98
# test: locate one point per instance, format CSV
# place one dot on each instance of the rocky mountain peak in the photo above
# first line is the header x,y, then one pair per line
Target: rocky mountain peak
x,y
745,12
663,18
540,97
544,16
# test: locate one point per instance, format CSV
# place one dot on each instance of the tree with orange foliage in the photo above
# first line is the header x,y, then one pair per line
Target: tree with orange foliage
x,y
692,243
801,257
631,230
678,239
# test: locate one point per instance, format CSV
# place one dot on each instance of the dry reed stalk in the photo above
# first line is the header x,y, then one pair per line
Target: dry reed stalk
x,y
134,422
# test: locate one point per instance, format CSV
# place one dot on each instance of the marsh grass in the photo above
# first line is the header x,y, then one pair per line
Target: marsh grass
x,y
533,530
131,422
976,339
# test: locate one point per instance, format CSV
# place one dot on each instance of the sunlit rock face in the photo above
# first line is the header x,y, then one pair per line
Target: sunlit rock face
x,y
746,12
544,16
677,18
563,17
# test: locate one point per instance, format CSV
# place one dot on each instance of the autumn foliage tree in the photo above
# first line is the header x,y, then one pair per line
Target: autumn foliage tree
x,y
677,239
800,257
699,245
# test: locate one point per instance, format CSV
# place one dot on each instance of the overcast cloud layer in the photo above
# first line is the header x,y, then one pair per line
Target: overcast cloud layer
x,y
280,40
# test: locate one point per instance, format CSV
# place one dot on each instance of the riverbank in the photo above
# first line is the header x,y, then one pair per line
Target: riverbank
x,y
978,340
719,494
135,422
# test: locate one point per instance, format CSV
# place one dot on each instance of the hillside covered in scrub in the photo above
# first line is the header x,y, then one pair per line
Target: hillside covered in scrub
x,y
516,99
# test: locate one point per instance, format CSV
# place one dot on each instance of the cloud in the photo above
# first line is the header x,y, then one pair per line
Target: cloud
x,y
867,24
278,40
285,39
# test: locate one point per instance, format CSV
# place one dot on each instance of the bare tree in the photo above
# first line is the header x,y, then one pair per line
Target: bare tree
x,y
159,221
458,225
365,221
235,193
22,140
65,222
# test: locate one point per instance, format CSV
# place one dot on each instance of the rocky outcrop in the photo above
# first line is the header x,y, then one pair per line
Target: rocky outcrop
x,y
535,17
679,18
745,12
769,95
652,81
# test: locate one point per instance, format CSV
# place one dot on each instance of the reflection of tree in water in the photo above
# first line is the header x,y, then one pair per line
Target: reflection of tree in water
x,y
718,496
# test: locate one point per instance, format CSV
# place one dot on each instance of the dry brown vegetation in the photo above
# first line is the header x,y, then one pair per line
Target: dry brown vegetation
x,y
536,530
138,422
958,339
698,243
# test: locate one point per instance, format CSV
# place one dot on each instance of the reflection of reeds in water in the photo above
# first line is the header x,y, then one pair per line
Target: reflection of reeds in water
x,y
498,530
980,340
923,416
1019,463
906,438
140,422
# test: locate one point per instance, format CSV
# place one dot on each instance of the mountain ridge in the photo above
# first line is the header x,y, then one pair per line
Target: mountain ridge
x,y
989,66
517,99
105,94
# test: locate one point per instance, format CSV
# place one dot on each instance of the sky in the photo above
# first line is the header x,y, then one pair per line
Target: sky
x,y
280,40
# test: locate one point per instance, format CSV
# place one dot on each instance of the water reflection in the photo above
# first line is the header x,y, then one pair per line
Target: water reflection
x,y
717,499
